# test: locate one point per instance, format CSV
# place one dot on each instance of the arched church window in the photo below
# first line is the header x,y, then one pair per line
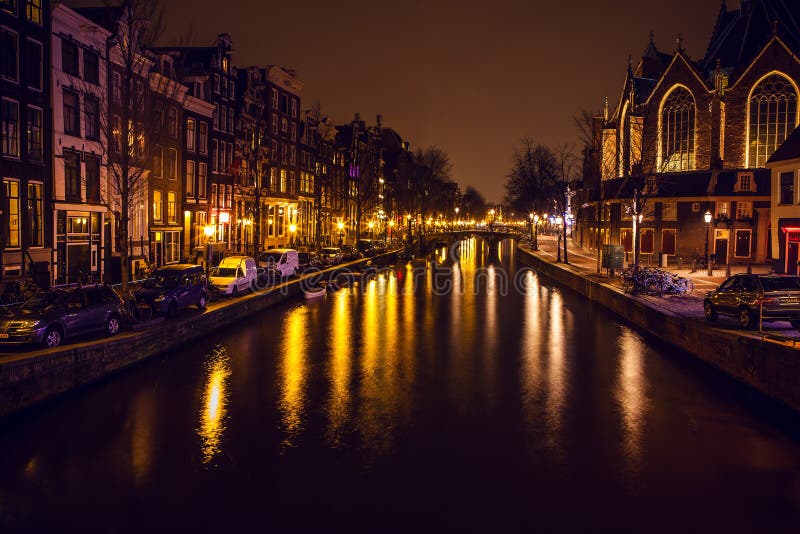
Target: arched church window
x,y
677,131
773,116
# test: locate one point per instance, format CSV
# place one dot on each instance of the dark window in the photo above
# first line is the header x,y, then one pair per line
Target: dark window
x,y
34,134
158,159
92,179
72,174
33,62
69,57
72,114
172,122
787,188
92,117
91,66
9,58
782,283
9,6
742,249
9,128
172,164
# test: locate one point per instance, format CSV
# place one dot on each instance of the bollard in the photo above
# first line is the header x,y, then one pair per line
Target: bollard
x,y
710,267
680,263
749,268
694,265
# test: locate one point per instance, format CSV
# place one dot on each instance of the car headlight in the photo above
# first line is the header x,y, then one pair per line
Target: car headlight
x,y
29,323
161,298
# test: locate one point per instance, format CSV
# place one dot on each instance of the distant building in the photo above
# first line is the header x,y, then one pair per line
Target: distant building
x,y
26,238
690,136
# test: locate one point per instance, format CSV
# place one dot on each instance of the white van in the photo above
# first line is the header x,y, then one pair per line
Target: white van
x,y
280,262
234,274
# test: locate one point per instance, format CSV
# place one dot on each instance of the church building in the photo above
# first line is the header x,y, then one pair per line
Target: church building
x,y
683,149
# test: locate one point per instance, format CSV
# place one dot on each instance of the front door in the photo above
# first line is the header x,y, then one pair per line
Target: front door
x,y
791,258
721,250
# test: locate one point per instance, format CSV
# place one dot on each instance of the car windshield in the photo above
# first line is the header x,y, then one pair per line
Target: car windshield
x,y
226,272
273,257
45,300
162,280
784,283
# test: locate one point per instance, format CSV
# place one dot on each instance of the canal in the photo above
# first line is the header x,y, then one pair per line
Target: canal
x,y
475,396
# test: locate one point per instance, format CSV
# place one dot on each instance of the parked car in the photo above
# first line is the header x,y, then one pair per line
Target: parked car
x,y
279,262
331,255
365,247
349,253
172,288
234,274
307,260
745,296
51,317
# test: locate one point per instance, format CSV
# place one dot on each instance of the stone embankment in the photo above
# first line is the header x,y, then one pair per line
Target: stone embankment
x,y
27,378
771,368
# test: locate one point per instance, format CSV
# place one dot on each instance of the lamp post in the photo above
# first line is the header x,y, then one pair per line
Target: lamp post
x,y
535,231
707,218
340,226
530,218
292,232
209,231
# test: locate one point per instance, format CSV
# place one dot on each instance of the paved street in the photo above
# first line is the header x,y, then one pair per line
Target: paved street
x,y
690,306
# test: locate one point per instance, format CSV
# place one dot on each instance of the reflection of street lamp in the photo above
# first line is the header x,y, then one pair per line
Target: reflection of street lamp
x,y
209,231
340,226
292,230
707,218
370,225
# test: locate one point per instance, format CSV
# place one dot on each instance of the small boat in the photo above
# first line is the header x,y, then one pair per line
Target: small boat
x,y
314,292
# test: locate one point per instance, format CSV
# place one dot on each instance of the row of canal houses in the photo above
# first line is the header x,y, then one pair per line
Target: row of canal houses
x,y
711,138
216,149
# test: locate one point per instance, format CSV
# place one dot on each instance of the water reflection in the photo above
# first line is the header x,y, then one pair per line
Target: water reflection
x,y
214,407
631,394
293,374
556,375
339,368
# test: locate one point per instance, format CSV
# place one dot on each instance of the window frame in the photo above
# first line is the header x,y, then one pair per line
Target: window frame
x,y
93,187
769,103
191,134
29,41
736,233
31,112
29,7
3,129
68,44
76,122
15,56
95,78
172,164
35,212
158,205
93,133
8,213
202,179
191,176
72,184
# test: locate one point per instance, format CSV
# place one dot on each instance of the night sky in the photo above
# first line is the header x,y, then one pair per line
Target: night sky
x,y
470,77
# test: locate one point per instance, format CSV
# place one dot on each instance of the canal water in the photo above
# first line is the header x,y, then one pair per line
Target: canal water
x,y
477,396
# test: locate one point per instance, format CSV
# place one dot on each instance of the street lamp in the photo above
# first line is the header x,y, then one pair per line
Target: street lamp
x,y
535,231
340,226
292,230
707,218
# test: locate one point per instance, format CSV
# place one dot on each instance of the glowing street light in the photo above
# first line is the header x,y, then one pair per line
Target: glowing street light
x,y
707,218
209,231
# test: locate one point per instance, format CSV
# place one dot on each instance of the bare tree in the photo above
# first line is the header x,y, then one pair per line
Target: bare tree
x,y
133,118
534,169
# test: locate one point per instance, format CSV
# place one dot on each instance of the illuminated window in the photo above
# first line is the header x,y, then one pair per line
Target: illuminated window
x,y
158,205
33,10
35,215
12,213
773,115
677,131
171,206
669,210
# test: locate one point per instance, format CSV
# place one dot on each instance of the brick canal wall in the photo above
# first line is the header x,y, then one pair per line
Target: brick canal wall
x,y
30,378
771,368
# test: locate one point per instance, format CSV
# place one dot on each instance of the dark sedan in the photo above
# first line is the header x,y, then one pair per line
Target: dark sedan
x,y
746,296
61,314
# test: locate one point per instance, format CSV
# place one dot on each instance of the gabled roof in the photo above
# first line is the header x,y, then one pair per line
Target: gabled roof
x,y
790,149
106,17
739,35
726,183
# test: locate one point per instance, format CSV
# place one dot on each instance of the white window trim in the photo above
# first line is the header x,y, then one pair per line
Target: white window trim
x,y
19,129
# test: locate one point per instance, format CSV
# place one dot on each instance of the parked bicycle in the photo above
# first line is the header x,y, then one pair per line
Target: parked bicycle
x,y
653,281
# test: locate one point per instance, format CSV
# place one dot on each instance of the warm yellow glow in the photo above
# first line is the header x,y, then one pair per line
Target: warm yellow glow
x,y
208,230
187,214
293,374
292,228
215,399
340,225
632,393
391,223
370,225
339,368
224,217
